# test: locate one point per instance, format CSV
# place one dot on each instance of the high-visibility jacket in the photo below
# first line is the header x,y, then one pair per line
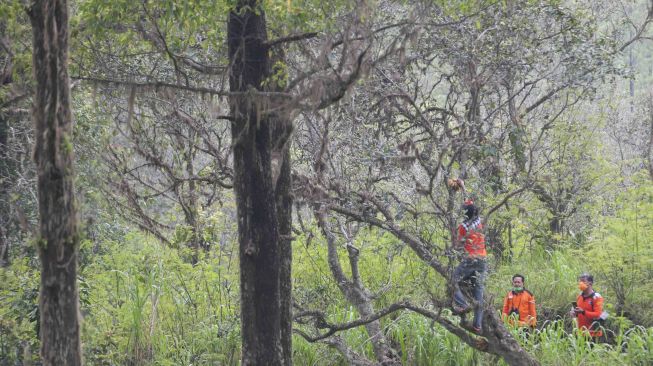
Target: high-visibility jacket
x,y
593,306
522,302
473,238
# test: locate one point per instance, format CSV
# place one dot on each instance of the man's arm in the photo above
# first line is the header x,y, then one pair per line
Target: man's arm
x,y
506,306
462,235
572,312
532,321
597,309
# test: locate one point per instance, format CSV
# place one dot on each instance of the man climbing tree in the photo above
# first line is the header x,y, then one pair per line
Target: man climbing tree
x,y
473,266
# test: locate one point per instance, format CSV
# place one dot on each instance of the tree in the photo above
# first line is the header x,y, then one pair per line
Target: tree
x,y
166,157
258,222
58,239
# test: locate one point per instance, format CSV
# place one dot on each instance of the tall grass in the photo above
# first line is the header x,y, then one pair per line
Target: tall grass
x,y
149,307
423,342
552,345
145,306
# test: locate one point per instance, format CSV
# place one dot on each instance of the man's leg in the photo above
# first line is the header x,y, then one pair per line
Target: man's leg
x,y
460,273
479,287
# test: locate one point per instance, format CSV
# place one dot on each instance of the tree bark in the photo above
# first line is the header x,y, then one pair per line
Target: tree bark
x,y
258,226
649,149
500,342
53,155
5,79
4,192
281,131
356,293
189,200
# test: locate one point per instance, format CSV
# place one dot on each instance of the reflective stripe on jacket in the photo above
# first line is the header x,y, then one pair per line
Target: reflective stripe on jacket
x,y
474,240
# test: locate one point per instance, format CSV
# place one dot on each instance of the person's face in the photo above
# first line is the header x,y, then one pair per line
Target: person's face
x,y
583,284
518,282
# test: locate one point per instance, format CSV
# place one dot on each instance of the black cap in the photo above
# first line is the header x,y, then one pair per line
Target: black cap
x,y
587,277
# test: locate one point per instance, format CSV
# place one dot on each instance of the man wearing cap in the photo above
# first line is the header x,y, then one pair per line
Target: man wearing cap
x,y
473,266
588,308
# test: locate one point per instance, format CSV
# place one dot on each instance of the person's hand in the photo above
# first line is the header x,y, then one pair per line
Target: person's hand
x,y
572,312
578,310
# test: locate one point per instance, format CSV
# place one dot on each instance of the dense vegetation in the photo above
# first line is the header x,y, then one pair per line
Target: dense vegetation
x,y
331,157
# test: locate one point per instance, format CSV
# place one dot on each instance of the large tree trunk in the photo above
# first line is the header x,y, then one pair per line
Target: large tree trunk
x,y
500,342
59,240
281,131
258,226
5,78
4,192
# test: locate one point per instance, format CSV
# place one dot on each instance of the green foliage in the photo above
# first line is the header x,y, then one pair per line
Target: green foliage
x,y
551,277
144,305
314,354
157,309
15,26
297,16
279,76
554,346
133,34
423,342
623,251
19,311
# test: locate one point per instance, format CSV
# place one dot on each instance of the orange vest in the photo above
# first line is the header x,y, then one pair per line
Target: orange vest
x,y
474,240
524,303
593,306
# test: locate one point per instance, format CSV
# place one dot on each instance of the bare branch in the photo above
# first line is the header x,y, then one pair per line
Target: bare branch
x,y
157,85
639,31
290,38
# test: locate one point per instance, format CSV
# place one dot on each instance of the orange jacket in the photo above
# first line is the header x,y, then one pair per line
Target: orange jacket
x,y
593,306
524,302
474,240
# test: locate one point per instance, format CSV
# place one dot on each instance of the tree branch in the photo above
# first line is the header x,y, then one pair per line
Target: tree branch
x,y
639,31
197,89
291,38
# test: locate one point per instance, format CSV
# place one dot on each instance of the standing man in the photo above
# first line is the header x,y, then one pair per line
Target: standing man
x,y
473,266
588,308
520,303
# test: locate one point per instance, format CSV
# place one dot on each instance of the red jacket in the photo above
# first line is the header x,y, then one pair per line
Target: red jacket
x,y
593,306
474,240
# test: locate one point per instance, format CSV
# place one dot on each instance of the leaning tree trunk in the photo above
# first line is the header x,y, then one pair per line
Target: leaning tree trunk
x,y
500,342
356,294
53,154
258,226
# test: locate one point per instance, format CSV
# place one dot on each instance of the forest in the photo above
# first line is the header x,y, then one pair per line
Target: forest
x,y
326,182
